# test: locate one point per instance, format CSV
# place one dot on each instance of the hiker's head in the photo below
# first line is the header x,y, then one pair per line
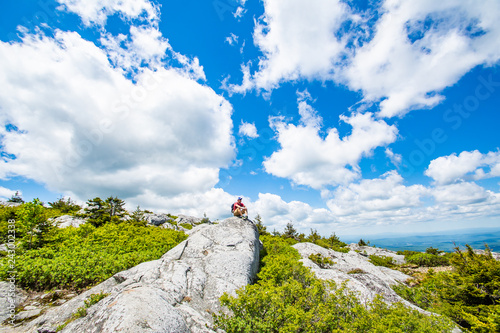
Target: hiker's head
x,y
239,198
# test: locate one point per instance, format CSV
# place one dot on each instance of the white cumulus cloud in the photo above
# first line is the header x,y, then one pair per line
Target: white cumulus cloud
x,y
75,123
277,213
370,197
307,158
422,47
467,165
248,130
399,54
297,39
97,11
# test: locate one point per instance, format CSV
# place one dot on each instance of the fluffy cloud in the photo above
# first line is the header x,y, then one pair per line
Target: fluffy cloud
x,y
467,165
97,11
248,130
276,213
73,122
386,200
372,198
309,159
421,47
6,193
298,40
413,51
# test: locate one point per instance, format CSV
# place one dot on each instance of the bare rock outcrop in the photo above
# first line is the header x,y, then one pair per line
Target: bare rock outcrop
x,y
65,221
360,276
176,293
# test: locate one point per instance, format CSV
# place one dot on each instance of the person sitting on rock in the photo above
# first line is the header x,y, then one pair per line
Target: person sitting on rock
x,y
239,209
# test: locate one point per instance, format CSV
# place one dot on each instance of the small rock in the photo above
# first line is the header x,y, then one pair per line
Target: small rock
x,y
59,301
29,307
28,314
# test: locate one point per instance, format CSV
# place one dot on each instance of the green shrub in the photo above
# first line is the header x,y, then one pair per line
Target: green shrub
x,y
288,298
427,260
100,211
407,252
6,214
65,206
382,261
16,198
332,242
321,261
186,226
356,271
363,243
33,224
84,256
469,294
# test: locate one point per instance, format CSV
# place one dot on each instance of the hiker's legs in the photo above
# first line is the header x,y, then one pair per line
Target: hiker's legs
x,y
237,212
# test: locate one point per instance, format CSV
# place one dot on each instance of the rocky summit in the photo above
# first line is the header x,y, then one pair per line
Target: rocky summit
x,y
176,293
180,291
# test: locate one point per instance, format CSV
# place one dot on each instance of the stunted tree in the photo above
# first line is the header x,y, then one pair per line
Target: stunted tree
x,y
290,231
260,226
16,198
34,224
65,205
101,211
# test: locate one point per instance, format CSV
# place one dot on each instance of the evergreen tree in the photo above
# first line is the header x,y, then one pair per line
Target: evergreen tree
x,y
260,226
100,212
16,198
290,231
65,206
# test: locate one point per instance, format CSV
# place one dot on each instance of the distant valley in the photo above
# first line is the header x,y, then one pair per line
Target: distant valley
x,y
441,240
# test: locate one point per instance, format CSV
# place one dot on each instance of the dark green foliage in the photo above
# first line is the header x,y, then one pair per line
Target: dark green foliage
x,y
288,298
356,271
101,211
432,250
84,256
65,206
6,214
290,232
205,219
332,242
137,217
260,226
469,294
363,243
16,198
382,261
407,252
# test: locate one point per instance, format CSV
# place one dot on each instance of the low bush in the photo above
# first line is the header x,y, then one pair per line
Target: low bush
x,y
427,259
322,262
469,294
288,298
84,256
382,261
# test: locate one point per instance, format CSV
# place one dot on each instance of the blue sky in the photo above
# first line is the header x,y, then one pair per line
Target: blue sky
x,y
353,117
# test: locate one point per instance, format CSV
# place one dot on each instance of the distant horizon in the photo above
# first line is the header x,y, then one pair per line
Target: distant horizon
x,y
443,240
